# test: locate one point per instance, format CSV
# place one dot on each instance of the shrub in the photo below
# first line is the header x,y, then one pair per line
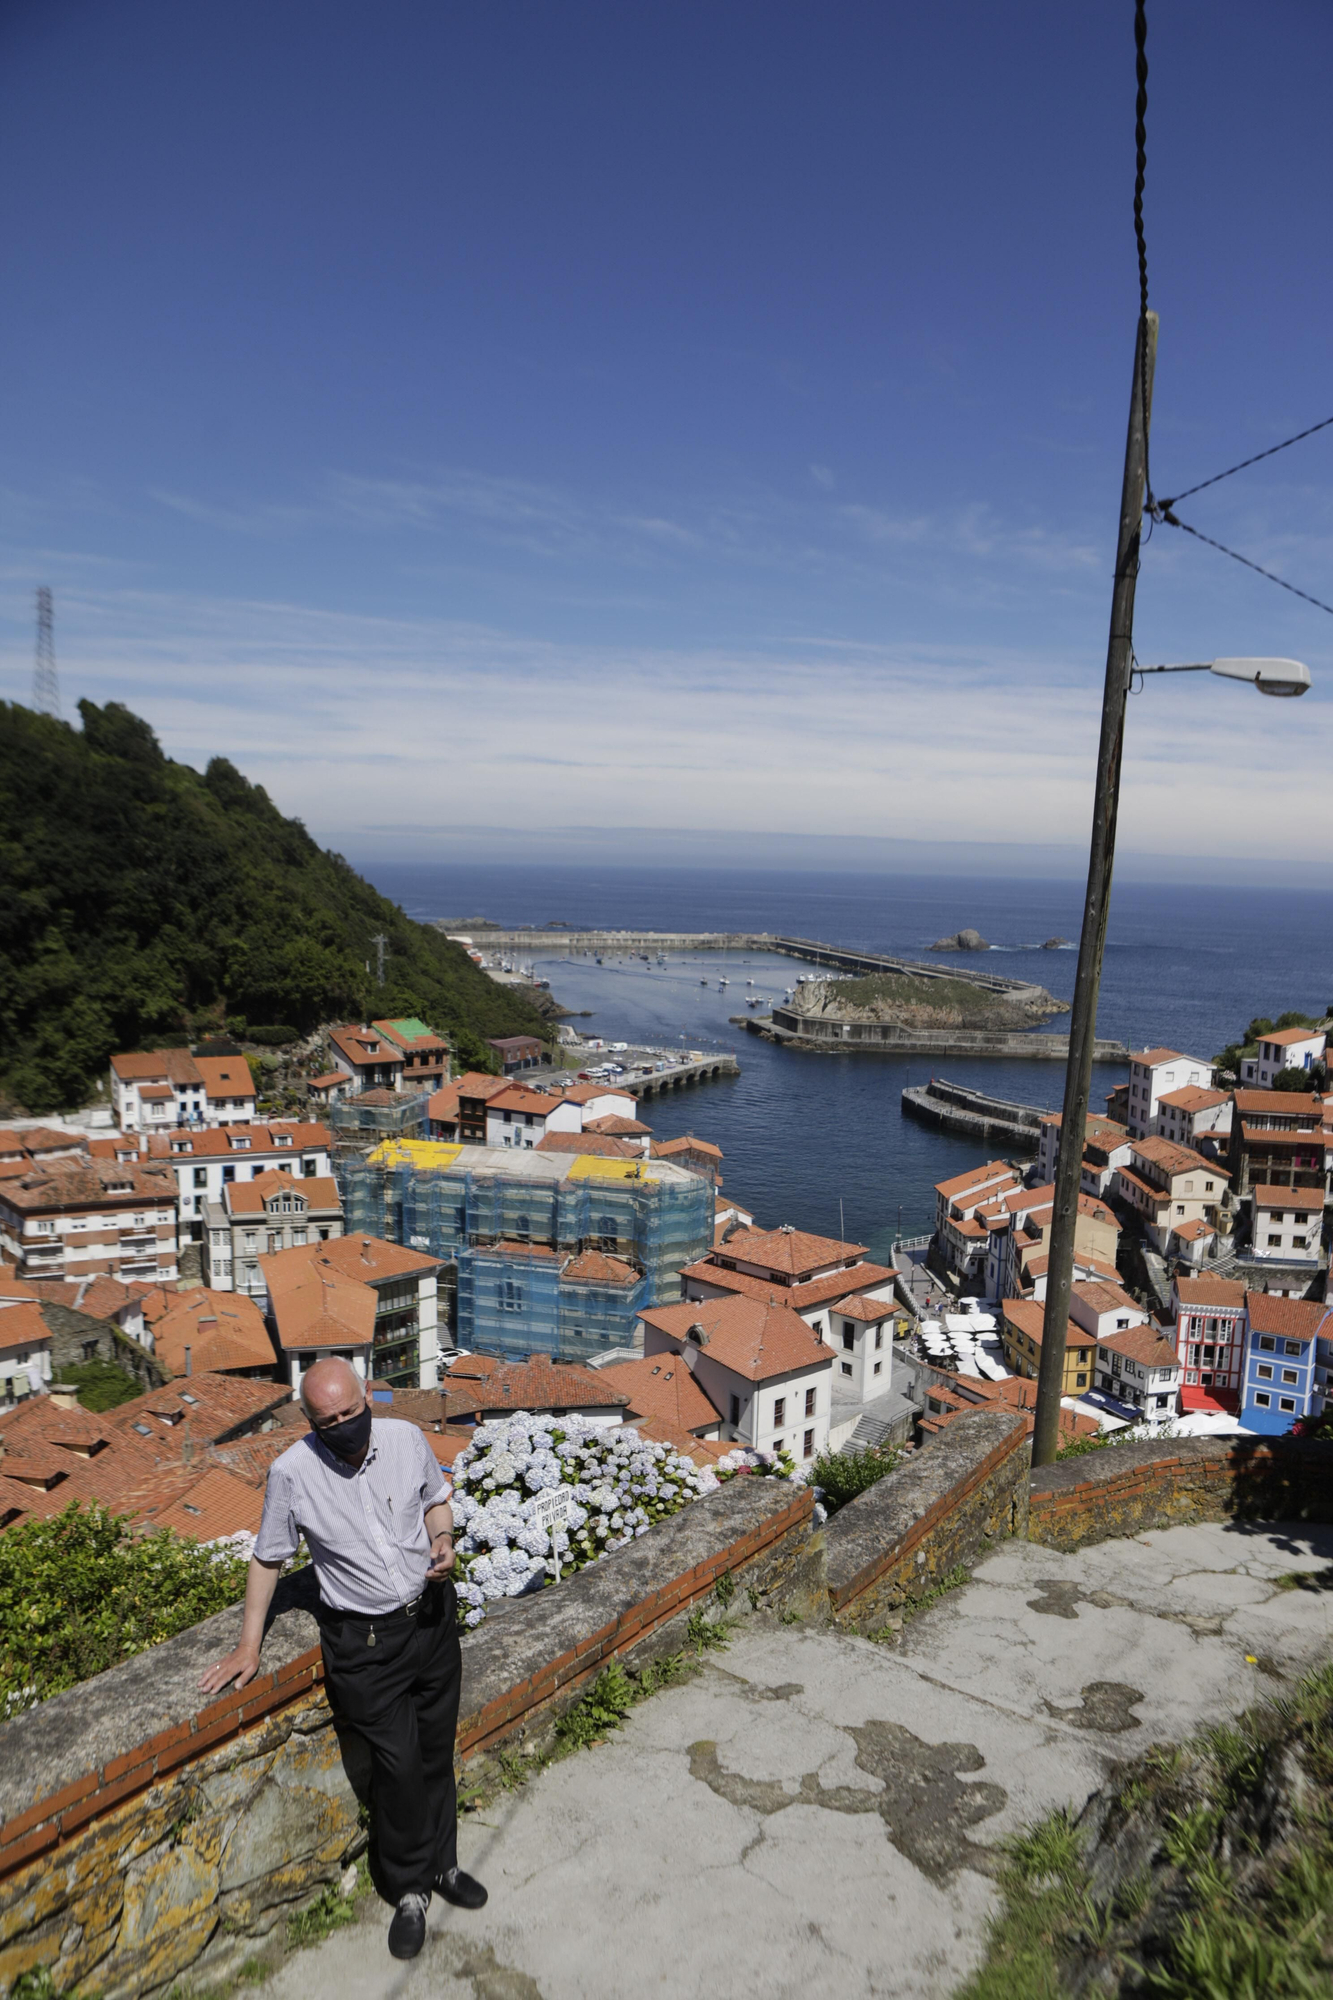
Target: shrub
x,y
841,1475
102,1384
82,1591
271,1038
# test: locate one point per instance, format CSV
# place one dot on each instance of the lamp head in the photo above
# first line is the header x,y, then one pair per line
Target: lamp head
x,y
1275,677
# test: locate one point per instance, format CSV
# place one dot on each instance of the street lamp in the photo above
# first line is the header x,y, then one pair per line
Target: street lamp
x,y
1271,677
1275,677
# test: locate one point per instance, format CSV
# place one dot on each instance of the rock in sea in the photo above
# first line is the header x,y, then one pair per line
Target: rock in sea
x,y
1054,944
962,941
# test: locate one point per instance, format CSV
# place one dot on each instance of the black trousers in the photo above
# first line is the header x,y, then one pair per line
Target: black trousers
x,y
399,1696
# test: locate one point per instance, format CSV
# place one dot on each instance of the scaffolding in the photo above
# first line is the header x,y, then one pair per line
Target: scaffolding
x,y
511,1233
357,1122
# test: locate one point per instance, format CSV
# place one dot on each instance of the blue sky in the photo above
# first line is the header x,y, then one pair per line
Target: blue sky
x,y
694,417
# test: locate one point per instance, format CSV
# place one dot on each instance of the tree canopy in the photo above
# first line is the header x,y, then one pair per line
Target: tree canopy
x,y
140,901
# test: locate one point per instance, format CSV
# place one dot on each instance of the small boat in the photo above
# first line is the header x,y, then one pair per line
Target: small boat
x,y
723,982
749,982
703,982
599,958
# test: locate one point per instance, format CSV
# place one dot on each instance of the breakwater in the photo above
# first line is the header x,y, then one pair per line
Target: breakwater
x,y
953,1107
821,1033
838,958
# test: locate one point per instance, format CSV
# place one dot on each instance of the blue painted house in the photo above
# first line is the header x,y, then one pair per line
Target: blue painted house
x,y
1282,1378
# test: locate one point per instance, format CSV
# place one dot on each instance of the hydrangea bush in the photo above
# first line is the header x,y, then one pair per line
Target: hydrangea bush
x,y
620,1485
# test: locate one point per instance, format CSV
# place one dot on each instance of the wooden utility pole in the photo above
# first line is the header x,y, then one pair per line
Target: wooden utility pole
x,y
1092,940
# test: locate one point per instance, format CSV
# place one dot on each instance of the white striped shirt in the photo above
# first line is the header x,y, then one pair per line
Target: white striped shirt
x,y
364,1525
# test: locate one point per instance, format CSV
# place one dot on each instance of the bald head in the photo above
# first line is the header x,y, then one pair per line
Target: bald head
x,y
331,1389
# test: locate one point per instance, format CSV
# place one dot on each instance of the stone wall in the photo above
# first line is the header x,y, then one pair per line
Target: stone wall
x,y
948,1505
74,1333
146,1833
1129,1488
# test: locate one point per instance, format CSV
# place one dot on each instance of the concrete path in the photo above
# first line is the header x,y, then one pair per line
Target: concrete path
x,y
815,1814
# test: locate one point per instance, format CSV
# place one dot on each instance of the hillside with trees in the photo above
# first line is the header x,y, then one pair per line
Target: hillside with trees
x,y
143,904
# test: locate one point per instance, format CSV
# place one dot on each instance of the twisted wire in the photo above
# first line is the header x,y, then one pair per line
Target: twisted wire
x,y
1271,452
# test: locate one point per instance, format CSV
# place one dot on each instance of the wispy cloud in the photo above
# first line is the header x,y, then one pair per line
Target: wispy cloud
x,y
345,717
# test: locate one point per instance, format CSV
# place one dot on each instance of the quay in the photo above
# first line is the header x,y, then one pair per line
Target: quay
x,y
818,1035
837,958
954,1108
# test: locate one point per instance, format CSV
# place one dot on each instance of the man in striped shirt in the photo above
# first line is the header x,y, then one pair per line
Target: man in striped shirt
x,y
373,1505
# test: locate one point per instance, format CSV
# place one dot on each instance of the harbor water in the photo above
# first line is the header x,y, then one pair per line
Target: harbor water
x,y
821,1140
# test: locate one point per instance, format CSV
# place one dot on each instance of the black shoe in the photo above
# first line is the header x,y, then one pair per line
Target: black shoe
x,y
407,1932
465,1890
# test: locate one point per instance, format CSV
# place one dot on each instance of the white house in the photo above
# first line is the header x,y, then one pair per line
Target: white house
x,y
861,1336
1287,1048
961,1238
361,1299
759,1365
1140,1369
1171,1185
1184,1116
1103,1140
205,1162
518,1116
1288,1224
25,1351
811,1274
1104,1310
1154,1074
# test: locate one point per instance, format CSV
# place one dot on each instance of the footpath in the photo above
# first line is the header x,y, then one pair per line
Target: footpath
x,y
816,1814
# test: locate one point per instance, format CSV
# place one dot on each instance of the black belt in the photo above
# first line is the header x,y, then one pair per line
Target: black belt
x,y
409,1610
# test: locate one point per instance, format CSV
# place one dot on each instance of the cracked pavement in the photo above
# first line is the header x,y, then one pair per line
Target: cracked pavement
x,y
815,1814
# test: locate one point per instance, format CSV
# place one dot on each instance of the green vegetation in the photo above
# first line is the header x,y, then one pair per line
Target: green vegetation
x,y
841,1475
81,1592
925,1002
330,1910
1234,1900
102,1384
143,903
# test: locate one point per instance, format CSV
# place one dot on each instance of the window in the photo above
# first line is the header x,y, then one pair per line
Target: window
x,y
1180,1208
201,1177
735,1410
1275,1242
1291,1347
1262,1398
779,1410
848,1337
879,1340
809,1402
846,1367
1267,1343
1081,1379
778,1443
808,1445
1265,1371
1290,1375
309,1168
1286,1402
879,1368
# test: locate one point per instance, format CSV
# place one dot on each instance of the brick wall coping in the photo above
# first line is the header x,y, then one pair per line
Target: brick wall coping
x,y
1235,1455
883,1524
83,1751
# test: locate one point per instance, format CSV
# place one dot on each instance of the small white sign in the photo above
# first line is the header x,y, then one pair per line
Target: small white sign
x,y
553,1508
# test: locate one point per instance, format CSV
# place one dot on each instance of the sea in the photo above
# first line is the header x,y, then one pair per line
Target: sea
x,y
821,1140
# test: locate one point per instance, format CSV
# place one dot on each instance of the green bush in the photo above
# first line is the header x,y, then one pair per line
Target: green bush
x,y
82,1591
841,1475
271,1038
102,1384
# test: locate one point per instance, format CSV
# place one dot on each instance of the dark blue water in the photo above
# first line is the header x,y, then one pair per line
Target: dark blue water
x,y
1185,966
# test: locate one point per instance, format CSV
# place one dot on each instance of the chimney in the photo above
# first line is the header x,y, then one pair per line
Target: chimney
x,y
189,1367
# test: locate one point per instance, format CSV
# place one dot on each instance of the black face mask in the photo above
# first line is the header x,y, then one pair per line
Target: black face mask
x,y
348,1439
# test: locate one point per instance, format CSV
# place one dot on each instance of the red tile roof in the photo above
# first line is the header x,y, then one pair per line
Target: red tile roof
x,y
538,1384
1288,1197
75,1183
749,1337
1143,1344
22,1326
224,1331
1175,1159
1152,1057
600,1144
251,1197
660,1385
1297,1319
594,1267
994,1170
617,1127
816,1292
794,1252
